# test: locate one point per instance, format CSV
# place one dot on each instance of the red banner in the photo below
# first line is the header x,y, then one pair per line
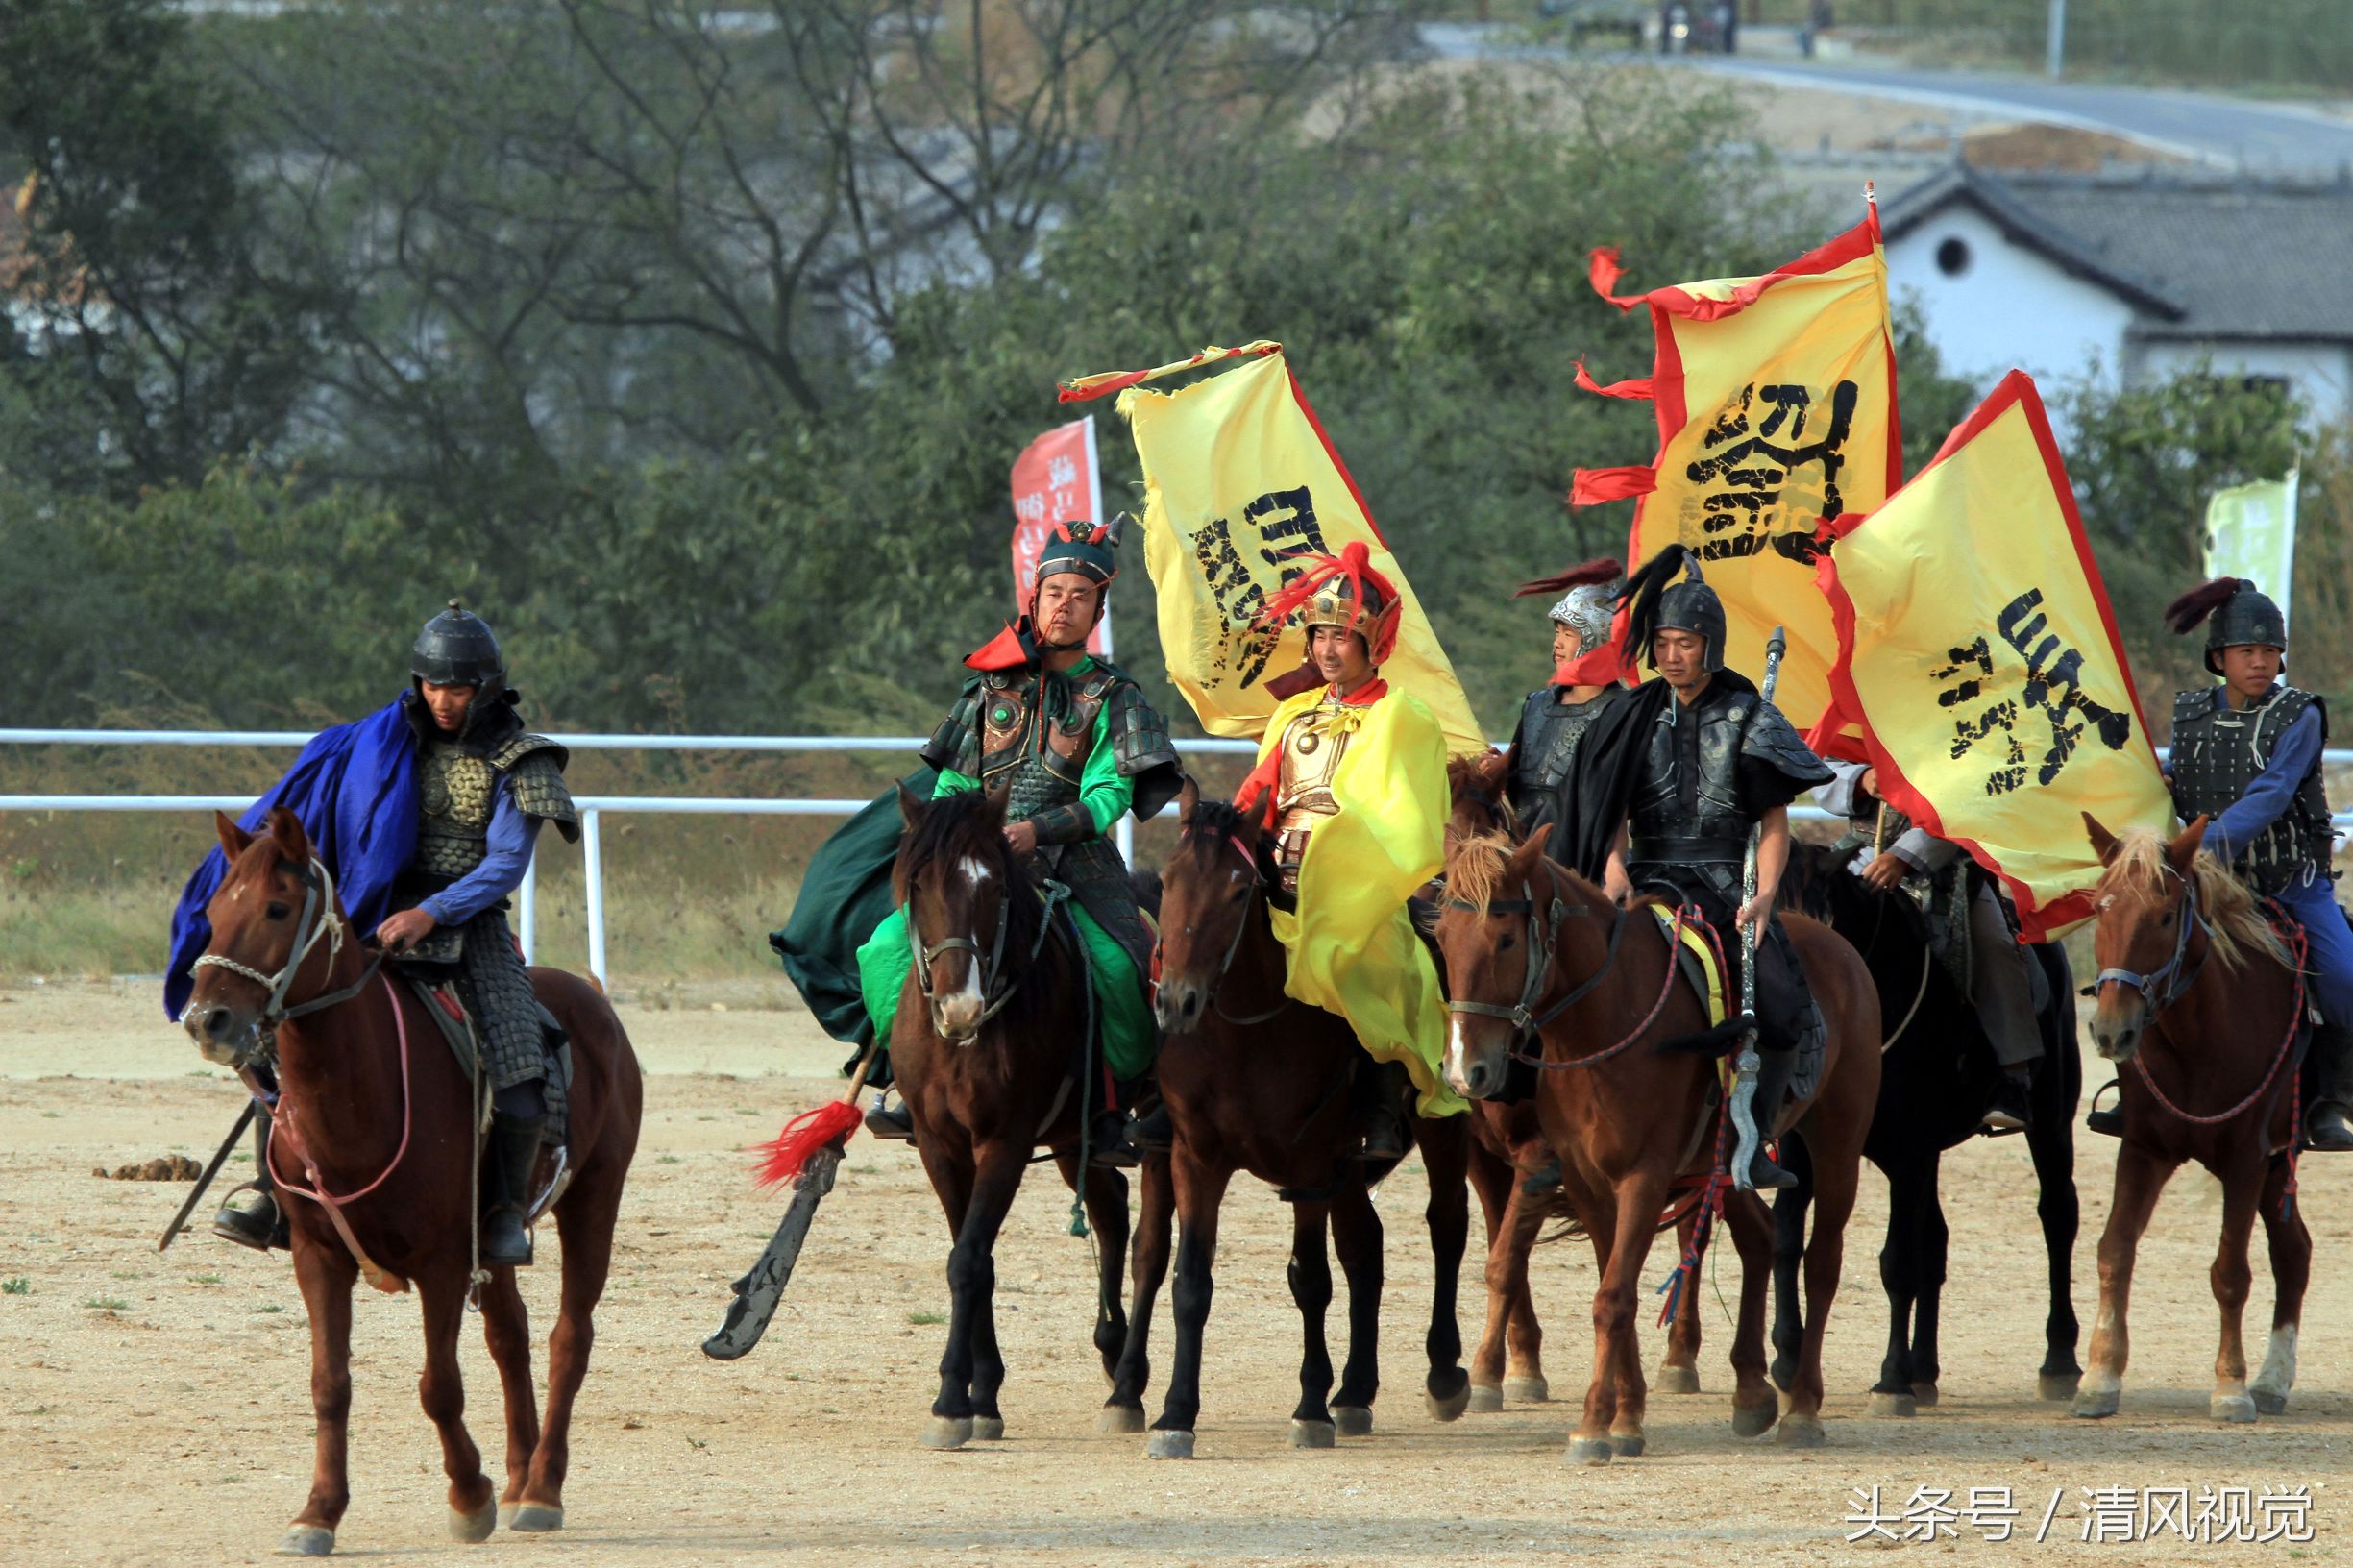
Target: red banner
x,y
1055,481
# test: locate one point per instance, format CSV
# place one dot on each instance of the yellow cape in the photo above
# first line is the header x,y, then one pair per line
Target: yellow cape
x,y
1352,950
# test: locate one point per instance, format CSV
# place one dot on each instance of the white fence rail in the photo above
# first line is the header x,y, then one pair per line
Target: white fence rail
x,y
593,807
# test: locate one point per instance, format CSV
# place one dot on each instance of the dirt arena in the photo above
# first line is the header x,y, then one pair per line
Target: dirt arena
x,y
157,1412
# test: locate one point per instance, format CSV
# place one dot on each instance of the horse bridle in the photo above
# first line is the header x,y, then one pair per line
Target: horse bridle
x,y
2167,983
1543,942
993,995
317,923
1233,944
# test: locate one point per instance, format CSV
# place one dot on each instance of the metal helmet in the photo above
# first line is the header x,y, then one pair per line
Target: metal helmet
x,y
1691,605
1087,548
457,649
1586,610
2248,616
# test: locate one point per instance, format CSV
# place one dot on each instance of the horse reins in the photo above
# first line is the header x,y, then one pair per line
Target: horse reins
x,y
993,997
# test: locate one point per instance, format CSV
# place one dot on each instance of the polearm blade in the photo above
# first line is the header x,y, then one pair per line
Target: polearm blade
x,y
757,1292
1746,1133
196,1193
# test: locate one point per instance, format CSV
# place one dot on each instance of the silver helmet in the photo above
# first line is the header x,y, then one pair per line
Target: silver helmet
x,y
1586,610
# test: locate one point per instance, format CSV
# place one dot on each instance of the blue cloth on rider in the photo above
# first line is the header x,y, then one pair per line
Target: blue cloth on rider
x,y
355,791
511,833
2272,790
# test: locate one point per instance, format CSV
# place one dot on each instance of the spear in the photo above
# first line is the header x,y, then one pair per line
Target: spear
x,y
1747,1063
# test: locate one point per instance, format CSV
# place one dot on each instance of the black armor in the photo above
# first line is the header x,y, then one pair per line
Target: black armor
x,y
1544,749
456,648
2219,751
1029,731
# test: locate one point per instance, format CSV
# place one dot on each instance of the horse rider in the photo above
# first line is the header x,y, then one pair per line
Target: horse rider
x,y
2000,974
1554,717
1071,737
425,814
2246,757
1351,777
1670,783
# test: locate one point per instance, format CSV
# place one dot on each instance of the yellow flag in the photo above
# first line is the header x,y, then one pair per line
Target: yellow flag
x,y
1776,398
1241,486
1978,651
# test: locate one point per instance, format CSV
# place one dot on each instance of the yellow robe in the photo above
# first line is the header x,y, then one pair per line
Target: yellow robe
x,y
1352,950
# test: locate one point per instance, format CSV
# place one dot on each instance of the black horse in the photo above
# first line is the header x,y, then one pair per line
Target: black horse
x,y
1937,1077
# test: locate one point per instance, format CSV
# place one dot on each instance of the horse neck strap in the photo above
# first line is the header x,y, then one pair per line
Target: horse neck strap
x,y
1543,942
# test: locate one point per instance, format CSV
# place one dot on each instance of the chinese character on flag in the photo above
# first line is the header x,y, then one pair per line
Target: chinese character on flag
x,y
1055,481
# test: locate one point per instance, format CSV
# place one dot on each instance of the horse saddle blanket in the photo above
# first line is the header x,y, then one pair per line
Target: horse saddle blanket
x,y
444,1007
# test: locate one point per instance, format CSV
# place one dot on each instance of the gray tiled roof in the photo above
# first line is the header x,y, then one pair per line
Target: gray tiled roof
x,y
2202,256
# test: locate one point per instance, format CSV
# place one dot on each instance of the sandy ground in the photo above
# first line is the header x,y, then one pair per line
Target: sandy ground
x,y
157,1406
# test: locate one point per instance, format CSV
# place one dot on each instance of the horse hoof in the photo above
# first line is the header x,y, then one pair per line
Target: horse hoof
x,y
2058,1387
1896,1405
1799,1431
1755,1420
1527,1390
948,1432
476,1526
1353,1420
1590,1451
1675,1380
1924,1394
1626,1445
2232,1407
533,1518
2092,1404
989,1429
307,1541
1169,1444
2267,1401
1485,1399
1119,1420
1449,1407
1313,1434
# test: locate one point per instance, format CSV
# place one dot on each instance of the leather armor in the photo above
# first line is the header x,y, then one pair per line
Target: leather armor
x,y
2217,752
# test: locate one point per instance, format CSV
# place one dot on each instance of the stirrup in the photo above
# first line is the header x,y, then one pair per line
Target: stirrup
x,y
2108,1122
894,1124
258,1223
1767,1175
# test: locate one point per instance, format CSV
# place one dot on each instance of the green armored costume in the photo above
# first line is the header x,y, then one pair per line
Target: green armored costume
x,y
1075,749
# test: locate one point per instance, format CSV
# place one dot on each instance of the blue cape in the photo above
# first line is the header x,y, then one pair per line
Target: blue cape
x,y
353,788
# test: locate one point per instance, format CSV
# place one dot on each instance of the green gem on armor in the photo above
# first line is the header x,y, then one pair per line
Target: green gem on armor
x,y
1001,716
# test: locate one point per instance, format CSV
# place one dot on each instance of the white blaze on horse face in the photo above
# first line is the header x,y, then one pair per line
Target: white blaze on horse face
x,y
976,870
1458,1049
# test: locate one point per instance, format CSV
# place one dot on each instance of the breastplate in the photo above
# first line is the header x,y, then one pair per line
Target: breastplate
x,y
1040,760
1692,790
1312,751
456,791
2219,752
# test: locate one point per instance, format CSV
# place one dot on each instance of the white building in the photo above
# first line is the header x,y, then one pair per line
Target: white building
x,y
2141,276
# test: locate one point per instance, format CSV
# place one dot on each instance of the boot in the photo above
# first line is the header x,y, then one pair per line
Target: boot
x,y
250,1214
2108,1121
2011,1110
1541,1178
1772,1075
890,1122
1387,1136
2326,1126
507,1188
1111,1141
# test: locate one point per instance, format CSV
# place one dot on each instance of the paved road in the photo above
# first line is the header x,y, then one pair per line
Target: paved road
x,y
2237,133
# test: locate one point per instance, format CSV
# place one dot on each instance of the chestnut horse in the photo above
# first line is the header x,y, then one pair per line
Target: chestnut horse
x,y
378,1118
1519,1182
987,1047
1259,1082
1598,982
2203,1004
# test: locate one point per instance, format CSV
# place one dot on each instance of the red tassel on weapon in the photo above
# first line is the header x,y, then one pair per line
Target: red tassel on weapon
x,y
789,1151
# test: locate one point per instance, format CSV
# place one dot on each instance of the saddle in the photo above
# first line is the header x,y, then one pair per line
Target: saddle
x,y
443,1006
1700,957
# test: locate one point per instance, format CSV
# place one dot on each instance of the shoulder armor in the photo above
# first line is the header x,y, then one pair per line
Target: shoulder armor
x,y
535,782
2292,700
1141,748
517,747
1771,737
2189,707
955,746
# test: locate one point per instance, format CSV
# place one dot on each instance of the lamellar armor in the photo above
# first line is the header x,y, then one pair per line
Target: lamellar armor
x,y
2218,751
458,778
1688,807
1544,749
1028,732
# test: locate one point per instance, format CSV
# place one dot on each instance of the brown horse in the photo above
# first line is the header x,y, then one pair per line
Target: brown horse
x,y
1598,983
378,1118
1520,1184
985,1044
2202,1004
1256,1081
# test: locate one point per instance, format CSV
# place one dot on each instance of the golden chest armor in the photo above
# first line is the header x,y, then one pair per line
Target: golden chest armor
x,y
1311,750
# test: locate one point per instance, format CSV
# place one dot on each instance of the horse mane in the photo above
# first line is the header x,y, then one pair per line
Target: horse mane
x,y
1212,819
1475,869
2237,925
